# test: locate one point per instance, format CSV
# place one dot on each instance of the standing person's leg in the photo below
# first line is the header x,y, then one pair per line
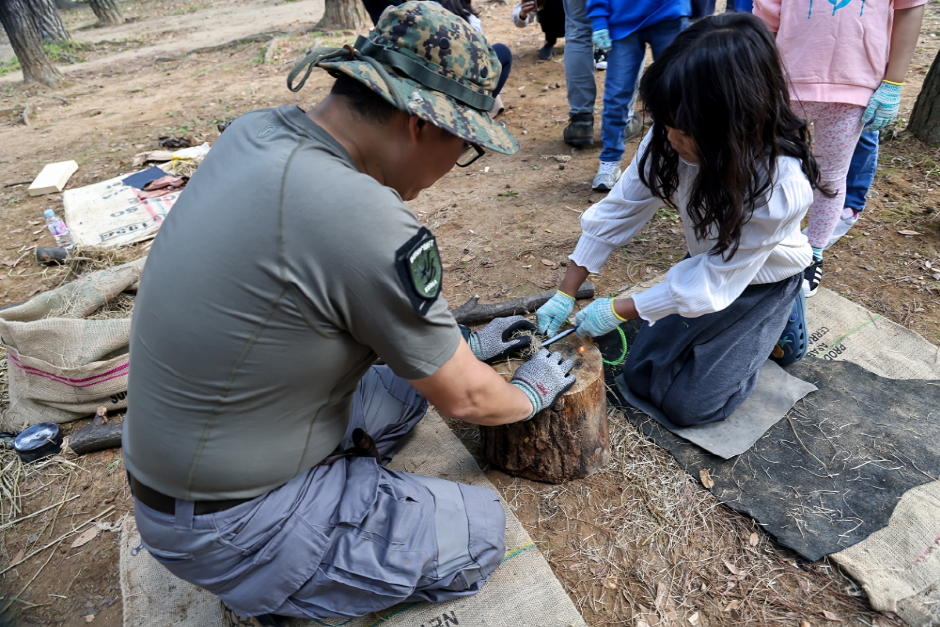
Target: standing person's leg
x,y
624,61
376,7
552,21
660,35
699,370
857,183
836,129
579,74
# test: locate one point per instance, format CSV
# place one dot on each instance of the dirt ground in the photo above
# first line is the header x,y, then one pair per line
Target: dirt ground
x,y
625,543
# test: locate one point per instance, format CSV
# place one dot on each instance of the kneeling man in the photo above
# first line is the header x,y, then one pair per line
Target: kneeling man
x,y
289,265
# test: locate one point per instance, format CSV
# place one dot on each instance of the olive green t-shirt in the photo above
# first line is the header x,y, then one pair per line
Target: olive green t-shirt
x,y
279,276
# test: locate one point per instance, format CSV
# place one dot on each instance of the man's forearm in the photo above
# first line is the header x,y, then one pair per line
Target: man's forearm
x,y
904,34
472,391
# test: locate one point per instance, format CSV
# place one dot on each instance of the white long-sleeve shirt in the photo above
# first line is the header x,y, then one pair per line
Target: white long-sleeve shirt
x,y
771,247
522,22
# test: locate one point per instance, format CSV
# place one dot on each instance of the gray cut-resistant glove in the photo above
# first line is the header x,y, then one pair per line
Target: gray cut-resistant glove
x,y
544,378
493,340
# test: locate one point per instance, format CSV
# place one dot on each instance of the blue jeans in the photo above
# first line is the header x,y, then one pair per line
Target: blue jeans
x,y
579,59
624,62
862,170
505,58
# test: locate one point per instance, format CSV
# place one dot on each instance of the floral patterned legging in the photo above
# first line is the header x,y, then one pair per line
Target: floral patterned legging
x,y
836,128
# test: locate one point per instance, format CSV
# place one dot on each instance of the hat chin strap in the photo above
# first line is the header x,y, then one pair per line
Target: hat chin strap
x,y
369,52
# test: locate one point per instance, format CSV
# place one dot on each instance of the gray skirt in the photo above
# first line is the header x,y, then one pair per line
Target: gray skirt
x,y
699,370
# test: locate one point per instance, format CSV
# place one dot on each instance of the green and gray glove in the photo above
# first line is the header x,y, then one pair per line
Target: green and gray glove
x,y
883,106
544,378
601,39
493,341
553,314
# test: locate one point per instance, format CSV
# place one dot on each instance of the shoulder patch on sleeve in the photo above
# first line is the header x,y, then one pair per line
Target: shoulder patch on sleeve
x,y
419,267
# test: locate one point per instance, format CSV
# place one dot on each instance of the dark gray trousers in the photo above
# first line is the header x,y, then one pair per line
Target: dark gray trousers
x,y
341,540
699,370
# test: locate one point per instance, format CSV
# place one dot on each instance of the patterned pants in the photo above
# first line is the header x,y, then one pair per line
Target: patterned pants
x,y
836,128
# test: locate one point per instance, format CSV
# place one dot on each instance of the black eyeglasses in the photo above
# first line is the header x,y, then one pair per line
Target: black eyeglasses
x,y
471,152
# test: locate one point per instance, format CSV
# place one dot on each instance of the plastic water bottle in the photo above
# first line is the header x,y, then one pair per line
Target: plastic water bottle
x,y
63,239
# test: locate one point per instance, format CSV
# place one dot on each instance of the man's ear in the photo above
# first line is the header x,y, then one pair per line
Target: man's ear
x,y
417,128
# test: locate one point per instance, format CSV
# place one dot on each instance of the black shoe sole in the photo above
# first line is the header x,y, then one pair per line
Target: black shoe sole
x,y
580,142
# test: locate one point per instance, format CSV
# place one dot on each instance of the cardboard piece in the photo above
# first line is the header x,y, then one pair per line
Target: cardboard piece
x,y
53,178
775,393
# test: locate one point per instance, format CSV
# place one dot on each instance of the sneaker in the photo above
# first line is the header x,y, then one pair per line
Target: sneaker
x,y
231,619
546,52
849,218
791,347
634,128
600,60
580,130
607,176
812,275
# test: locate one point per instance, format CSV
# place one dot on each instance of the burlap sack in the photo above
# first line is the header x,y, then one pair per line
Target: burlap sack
x,y
60,366
523,592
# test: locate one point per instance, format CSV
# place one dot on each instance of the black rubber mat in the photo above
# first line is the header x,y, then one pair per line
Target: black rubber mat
x,y
830,473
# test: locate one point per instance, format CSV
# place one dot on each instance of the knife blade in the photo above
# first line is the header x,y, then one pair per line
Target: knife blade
x,y
561,335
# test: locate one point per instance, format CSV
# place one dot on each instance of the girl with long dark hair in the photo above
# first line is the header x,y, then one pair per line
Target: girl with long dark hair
x,y
727,153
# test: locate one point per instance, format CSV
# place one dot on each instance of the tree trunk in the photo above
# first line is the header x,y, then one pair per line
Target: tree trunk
x,y
48,22
568,441
925,118
27,44
107,12
343,15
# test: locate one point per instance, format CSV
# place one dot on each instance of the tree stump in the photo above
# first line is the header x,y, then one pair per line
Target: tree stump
x,y
564,442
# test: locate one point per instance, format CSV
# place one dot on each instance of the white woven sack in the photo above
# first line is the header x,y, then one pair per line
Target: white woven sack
x,y
60,366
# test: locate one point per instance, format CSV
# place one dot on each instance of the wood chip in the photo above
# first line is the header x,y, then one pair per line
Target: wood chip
x,y
19,556
833,617
87,536
869,268
641,623
467,258
754,539
694,619
731,567
805,623
707,481
611,584
546,262
906,232
732,606
89,618
487,249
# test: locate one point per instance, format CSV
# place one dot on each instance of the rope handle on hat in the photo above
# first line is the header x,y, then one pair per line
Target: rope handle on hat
x,y
314,57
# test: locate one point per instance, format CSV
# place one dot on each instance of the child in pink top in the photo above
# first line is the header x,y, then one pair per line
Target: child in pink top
x,y
846,61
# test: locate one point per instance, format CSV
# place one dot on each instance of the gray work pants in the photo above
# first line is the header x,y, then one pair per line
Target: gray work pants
x,y
699,370
579,59
340,540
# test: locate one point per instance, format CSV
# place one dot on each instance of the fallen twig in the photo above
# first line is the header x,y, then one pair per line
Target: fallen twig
x,y
471,312
59,539
18,183
44,509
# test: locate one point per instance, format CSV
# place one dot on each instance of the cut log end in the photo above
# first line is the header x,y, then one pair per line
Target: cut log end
x,y
565,442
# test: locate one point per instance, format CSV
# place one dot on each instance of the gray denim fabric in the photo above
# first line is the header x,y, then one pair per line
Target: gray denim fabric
x,y
340,540
579,58
699,370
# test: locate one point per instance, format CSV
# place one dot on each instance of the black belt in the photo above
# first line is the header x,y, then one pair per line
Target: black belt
x,y
167,504
363,446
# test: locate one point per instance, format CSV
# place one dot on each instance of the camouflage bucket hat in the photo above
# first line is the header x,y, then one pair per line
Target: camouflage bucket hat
x,y
427,62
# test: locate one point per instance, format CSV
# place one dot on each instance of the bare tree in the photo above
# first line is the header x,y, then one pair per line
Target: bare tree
x,y
343,15
27,43
48,22
107,12
925,118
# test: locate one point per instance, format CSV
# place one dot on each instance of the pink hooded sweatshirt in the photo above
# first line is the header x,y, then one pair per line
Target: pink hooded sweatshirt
x,y
833,50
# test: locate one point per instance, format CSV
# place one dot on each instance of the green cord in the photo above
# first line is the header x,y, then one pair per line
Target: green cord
x,y
623,355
